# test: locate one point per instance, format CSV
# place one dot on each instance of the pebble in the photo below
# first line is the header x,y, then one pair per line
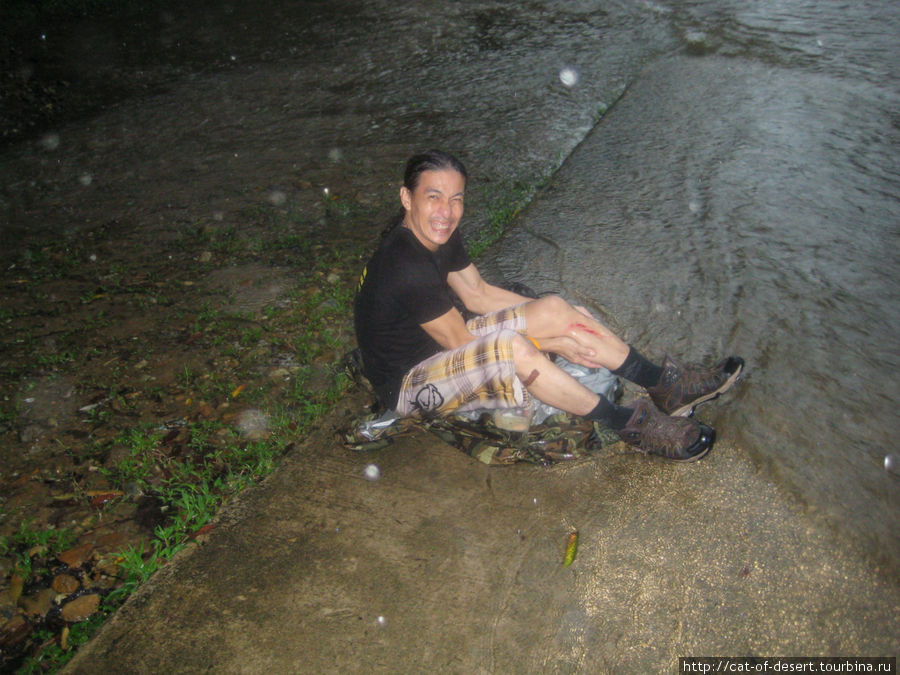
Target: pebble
x,y
65,584
76,557
80,608
15,629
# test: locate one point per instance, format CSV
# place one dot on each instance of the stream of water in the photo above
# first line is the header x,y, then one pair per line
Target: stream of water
x,y
743,197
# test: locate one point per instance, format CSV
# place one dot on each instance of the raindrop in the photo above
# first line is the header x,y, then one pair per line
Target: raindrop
x,y
568,76
85,179
50,142
892,464
335,155
381,620
372,472
277,197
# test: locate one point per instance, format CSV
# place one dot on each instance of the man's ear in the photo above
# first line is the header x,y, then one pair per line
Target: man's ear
x,y
406,198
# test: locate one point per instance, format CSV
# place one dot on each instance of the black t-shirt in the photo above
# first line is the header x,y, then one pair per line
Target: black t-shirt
x,y
404,285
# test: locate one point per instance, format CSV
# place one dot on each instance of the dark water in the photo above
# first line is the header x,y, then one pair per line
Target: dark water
x,y
743,196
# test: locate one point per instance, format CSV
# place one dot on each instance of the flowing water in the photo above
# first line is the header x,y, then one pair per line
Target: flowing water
x,y
743,197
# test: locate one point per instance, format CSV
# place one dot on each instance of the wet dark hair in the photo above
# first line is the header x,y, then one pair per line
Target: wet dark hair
x,y
431,160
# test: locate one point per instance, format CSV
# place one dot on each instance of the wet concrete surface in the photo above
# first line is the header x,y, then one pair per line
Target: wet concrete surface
x,y
447,565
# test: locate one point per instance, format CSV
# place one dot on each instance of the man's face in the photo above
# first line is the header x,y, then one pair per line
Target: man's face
x,y
433,210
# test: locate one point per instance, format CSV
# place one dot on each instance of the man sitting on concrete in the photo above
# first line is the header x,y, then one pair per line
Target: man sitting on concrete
x,y
423,358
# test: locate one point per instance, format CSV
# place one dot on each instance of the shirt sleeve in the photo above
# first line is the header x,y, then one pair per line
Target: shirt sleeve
x,y
453,254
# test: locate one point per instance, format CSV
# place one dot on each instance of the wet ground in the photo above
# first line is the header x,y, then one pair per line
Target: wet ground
x,y
163,257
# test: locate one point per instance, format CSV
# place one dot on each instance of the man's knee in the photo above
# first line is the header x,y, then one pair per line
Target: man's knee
x,y
547,313
549,306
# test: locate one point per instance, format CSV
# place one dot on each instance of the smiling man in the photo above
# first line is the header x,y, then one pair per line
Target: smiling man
x,y
423,358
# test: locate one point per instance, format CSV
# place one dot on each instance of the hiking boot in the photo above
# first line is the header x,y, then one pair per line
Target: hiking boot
x,y
683,387
676,438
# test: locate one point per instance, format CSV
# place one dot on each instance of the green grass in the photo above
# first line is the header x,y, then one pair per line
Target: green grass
x,y
29,547
504,201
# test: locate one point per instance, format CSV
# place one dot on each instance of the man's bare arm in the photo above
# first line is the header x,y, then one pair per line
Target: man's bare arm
x,y
449,330
479,296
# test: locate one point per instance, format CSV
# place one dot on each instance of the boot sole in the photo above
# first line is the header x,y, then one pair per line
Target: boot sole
x,y
688,409
707,438
706,441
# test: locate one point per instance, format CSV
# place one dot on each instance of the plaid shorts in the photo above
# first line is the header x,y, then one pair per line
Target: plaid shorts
x,y
479,375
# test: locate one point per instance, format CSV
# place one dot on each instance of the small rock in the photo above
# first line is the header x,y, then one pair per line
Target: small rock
x,y
65,584
15,630
39,603
80,608
205,257
333,277
75,557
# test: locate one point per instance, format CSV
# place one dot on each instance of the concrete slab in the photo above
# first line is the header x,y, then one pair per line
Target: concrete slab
x,y
448,565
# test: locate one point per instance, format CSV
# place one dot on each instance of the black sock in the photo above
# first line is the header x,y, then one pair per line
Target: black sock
x,y
638,369
612,415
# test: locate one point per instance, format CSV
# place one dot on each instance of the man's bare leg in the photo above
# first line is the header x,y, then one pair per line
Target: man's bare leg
x,y
552,317
549,383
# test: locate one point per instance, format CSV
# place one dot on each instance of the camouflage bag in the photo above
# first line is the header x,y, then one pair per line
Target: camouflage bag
x,y
559,437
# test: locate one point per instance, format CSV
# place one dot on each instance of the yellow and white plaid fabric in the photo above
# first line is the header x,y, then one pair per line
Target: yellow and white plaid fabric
x,y
479,375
